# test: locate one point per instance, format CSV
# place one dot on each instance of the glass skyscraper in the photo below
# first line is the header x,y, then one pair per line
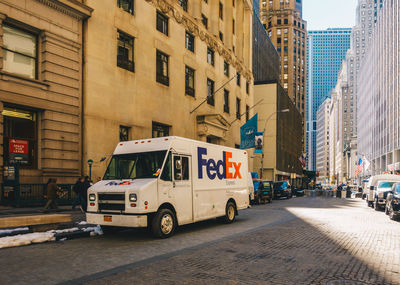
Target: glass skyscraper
x,y
326,51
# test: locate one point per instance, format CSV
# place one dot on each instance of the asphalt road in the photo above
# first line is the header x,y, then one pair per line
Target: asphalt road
x,y
296,241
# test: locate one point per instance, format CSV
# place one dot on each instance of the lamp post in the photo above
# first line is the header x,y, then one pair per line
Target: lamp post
x,y
265,126
90,163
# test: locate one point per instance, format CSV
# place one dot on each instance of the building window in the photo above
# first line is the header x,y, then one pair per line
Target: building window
x,y
20,137
189,41
238,108
233,3
126,5
125,57
162,68
204,20
210,56
162,23
247,87
184,4
238,78
221,13
221,36
19,52
226,69
210,92
247,113
124,133
233,26
226,101
160,130
189,81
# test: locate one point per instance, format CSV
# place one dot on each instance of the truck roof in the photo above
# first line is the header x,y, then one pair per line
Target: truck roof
x,y
154,144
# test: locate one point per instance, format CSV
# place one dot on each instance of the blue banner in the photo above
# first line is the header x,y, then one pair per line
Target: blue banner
x,y
247,133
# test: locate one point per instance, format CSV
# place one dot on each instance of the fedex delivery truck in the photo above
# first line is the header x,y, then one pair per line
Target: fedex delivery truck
x,y
161,183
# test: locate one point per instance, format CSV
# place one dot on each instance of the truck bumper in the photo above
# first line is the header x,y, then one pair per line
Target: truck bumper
x,y
133,221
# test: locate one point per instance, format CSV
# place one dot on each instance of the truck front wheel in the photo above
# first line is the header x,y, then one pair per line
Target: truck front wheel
x,y
164,223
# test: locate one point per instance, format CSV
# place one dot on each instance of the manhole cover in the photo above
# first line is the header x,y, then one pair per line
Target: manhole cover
x,y
344,282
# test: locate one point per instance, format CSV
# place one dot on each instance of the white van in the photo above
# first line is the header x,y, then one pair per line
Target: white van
x,y
378,188
164,182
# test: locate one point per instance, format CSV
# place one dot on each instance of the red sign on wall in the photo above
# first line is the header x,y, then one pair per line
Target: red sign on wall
x,y
18,151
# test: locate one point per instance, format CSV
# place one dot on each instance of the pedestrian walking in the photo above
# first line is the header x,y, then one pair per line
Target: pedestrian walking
x,y
85,187
51,192
78,188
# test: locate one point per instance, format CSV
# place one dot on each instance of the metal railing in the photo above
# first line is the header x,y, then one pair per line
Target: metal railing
x,y
30,195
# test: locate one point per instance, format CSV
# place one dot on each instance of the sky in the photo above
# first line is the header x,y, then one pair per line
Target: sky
x,y
323,14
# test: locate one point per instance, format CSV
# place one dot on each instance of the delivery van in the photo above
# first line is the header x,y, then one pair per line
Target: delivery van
x,y
162,183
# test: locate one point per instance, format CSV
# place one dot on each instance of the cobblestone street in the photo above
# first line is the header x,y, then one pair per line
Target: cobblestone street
x,y
297,241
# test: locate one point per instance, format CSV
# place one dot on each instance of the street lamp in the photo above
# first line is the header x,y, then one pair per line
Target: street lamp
x,y
265,126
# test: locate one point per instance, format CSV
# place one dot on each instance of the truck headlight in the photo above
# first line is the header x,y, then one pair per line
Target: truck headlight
x,y
132,197
396,201
92,197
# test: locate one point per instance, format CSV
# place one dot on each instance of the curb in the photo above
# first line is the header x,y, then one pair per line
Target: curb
x,y
72,235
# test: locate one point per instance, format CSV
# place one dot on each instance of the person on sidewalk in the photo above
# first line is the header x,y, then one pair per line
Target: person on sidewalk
x,y
78,189
51,191
86,185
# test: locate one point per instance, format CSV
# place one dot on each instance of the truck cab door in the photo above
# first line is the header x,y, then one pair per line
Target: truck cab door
x,y
182,188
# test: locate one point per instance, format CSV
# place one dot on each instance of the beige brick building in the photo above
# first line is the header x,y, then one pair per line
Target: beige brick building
x,y
150,63
288,32
41,87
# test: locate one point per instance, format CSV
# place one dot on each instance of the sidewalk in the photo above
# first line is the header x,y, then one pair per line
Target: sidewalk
x,y
76,215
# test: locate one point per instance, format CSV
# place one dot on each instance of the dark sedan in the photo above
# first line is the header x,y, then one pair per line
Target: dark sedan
x,y
393,202
282,189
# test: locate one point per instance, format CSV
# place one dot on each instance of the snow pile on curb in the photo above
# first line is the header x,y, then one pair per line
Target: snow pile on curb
x,y
40,237
26,239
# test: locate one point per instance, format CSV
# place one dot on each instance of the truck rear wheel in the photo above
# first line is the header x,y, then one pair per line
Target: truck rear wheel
x,y
164,223
230,213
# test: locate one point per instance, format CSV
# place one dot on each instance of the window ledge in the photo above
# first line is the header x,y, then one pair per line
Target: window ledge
x,y
6,76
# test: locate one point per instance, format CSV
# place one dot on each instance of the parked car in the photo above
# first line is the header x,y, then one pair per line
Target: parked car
x,y
297,192
393,202
264,192
282,189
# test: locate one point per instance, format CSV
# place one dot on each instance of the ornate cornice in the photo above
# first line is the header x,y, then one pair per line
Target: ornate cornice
x,y
193,27
71,8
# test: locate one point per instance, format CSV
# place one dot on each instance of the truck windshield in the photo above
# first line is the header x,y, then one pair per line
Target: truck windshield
x,y
135,165
385,184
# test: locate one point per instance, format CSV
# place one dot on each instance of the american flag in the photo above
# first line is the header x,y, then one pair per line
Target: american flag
x,y
303,161
359,167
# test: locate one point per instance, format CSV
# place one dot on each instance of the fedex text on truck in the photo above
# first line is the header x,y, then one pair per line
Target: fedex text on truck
x,y
223,169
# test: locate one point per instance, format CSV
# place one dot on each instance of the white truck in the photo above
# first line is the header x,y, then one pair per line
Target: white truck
x,y
161,183
378,188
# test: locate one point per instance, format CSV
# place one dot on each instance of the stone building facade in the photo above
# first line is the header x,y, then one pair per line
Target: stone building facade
x,y
41,87
157,68
323,140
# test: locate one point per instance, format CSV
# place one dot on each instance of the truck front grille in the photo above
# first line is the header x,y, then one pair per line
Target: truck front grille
x,y
111,202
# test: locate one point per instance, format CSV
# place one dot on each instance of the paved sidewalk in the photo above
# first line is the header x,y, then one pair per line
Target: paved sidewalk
x,y
76,215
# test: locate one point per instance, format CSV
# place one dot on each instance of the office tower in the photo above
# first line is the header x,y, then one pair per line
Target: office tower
x,y
378,93
326,50
287,30
323,140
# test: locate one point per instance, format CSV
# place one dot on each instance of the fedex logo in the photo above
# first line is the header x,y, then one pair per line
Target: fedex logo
x,y
113,183
223,169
